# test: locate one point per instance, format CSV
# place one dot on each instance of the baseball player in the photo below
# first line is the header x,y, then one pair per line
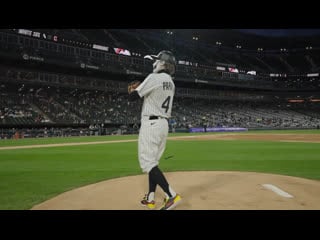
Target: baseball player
x,y
158,90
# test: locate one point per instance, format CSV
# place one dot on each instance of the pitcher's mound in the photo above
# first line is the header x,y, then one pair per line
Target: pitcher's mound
x,y
200,190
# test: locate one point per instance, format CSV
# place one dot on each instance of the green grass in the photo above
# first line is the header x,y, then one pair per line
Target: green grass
x,y
30,176
33,141
295,159
298,131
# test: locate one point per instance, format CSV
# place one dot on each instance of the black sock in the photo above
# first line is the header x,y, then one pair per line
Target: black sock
x,y
157,177
152,184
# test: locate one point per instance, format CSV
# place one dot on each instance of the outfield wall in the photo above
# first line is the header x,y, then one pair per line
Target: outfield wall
x,y
218,129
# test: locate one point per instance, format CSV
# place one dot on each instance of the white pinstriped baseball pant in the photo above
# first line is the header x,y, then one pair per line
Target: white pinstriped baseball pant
x,y
152,142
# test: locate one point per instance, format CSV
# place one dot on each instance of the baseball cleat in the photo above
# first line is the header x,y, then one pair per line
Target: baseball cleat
x,y
148,204
170,203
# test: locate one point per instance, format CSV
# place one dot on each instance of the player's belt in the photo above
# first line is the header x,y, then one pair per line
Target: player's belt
x,y
155,117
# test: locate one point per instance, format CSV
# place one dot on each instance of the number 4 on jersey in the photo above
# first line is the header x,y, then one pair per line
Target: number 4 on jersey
x,y
166,103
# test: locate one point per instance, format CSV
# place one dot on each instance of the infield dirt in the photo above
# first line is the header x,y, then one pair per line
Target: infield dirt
x,y
201,190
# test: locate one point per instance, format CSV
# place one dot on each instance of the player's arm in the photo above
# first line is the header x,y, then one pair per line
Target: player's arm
x,y
150,83
133,96
140,90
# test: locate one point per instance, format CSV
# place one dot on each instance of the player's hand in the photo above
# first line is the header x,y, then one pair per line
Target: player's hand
x,y
132,86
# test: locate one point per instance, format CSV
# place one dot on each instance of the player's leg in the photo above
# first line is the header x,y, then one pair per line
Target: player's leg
x,y
172,198
148,144
162,140
148,199
147,148
156,174
152,140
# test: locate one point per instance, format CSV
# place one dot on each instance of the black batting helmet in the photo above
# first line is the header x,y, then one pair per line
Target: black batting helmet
x,y
168,58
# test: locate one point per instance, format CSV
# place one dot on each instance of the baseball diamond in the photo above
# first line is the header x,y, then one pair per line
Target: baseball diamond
x,y
159,119
225,176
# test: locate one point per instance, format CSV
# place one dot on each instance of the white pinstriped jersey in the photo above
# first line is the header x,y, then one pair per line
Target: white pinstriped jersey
x,y
158,91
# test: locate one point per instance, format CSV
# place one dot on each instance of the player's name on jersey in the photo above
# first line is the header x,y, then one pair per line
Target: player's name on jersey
x,y
167,86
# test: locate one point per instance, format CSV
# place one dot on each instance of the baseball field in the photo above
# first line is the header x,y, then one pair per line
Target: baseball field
x,y
248,170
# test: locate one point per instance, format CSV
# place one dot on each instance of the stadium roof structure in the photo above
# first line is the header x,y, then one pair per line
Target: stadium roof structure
x,y
251,39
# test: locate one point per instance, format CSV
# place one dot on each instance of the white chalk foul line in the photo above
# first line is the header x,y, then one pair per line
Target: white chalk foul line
x,y
65,144
80,143
277,190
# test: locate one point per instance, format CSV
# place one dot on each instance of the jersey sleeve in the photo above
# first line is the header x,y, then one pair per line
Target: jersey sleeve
x,y
148,85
